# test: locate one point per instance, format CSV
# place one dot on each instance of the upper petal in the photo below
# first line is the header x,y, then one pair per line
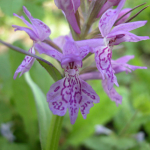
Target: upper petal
x,y
128,26
44,48
26,64
108,19
40,28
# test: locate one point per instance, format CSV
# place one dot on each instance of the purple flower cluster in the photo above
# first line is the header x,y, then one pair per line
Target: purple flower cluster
x,y
72,91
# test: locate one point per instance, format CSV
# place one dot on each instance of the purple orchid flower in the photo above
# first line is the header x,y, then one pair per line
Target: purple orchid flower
x,y
119,65
118,34
38,32
70,92
69,7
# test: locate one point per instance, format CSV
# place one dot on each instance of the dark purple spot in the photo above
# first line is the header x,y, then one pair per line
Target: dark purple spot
x,y
57,88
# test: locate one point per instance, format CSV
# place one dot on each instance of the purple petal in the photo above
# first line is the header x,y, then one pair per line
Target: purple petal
x,y
70,47
32,35
105,7
73,93
123,12
40,28
92,43
73,22
26,64
54,97
60,41
68,5
113,95
128,26
24,20
123,36
108,19
103,62
84,51
89,97
114,2
120,65
44,48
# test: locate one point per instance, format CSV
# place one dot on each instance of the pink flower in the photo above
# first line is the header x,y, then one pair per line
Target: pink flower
x,y
38,31
69,7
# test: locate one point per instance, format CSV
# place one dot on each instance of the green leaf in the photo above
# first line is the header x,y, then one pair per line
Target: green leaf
x,y
10,6
54,73
44,114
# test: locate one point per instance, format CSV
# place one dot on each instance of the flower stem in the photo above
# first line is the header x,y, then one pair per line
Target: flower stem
x,y
54,133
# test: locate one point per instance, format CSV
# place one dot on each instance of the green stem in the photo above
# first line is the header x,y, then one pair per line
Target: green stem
x,y
54,133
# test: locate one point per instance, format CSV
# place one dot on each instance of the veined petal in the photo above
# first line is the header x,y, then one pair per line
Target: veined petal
x,y
123,12
73,93
57,103
26,64
32,35
108,19
89,97
121,65
128,26
44,48
103,57
84,51
123,36
113,95
40,28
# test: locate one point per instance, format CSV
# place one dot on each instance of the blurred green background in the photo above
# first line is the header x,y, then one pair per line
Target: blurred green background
x,y
129,123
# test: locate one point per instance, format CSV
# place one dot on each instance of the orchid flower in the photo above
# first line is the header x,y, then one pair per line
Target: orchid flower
x,y
38,32
69,8
70,92
118,34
